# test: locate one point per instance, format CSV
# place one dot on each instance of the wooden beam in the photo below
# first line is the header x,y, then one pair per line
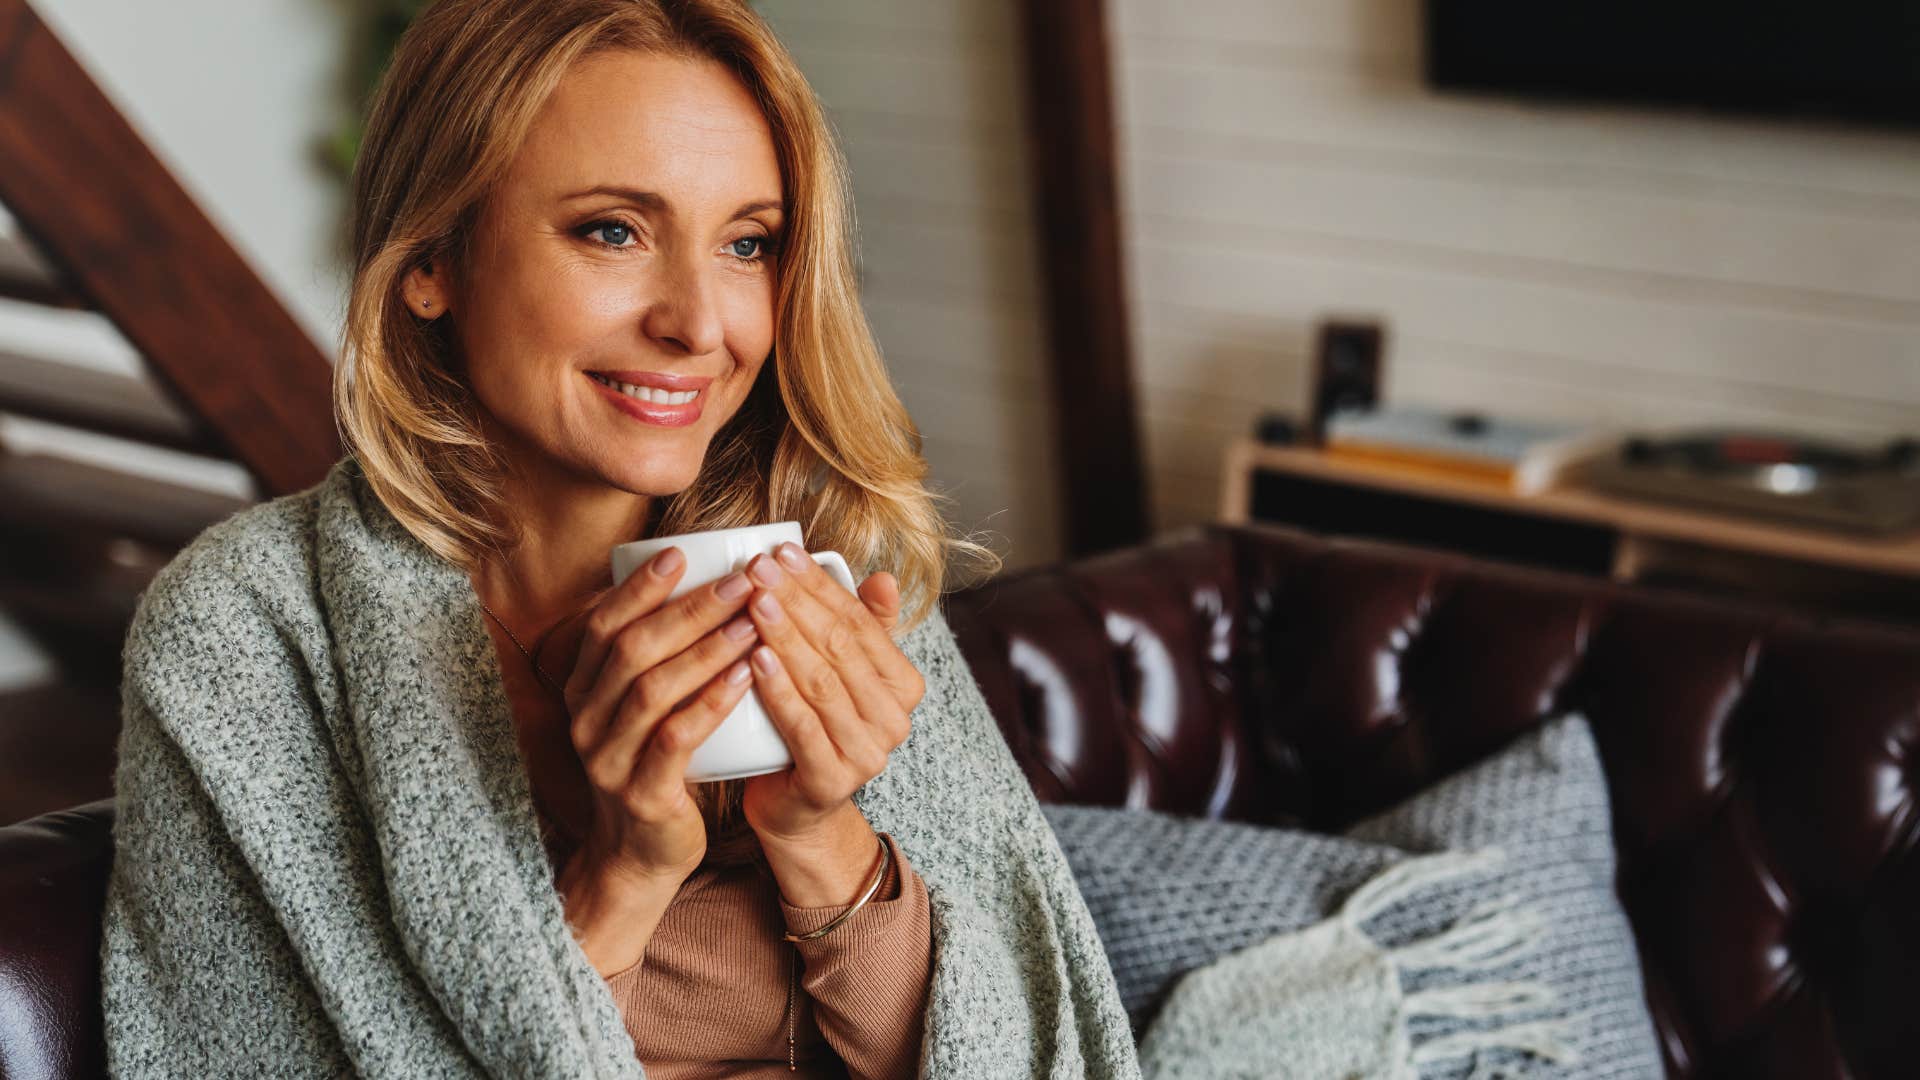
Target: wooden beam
x,y
1070,112
121,231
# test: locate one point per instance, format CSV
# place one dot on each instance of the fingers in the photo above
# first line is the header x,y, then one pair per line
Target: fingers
x,y
644,590
851,618
650,640
662,769
831,630
881,593
659,691
835,686
814,754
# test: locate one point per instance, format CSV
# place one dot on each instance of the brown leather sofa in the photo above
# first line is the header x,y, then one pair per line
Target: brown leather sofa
x,y
1763,767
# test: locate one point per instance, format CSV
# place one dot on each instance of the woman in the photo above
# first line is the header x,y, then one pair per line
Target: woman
x,y
603,290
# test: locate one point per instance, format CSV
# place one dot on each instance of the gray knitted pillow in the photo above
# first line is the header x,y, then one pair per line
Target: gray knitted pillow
x,y
1171,894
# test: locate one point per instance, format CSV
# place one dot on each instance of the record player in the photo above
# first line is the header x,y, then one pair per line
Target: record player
x,y
1784,478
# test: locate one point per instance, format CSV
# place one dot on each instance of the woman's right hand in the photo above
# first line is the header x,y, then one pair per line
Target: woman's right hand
x,y
650,682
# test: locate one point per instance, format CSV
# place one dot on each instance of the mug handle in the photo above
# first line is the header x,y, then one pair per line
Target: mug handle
x,y
832,563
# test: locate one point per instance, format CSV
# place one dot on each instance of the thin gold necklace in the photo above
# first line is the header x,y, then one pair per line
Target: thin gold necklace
x,y
544,818
552,684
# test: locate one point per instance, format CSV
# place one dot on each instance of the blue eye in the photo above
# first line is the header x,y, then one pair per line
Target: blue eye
x,y
754,247
616,233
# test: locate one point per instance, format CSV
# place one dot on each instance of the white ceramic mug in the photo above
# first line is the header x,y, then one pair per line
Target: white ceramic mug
x,y
745,743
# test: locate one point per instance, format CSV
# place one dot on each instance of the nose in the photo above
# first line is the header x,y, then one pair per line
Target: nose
x,y
685,315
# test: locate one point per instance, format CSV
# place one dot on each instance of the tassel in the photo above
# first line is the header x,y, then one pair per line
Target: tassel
x,y
1412,875
1476,1001
1492,935
1543,1039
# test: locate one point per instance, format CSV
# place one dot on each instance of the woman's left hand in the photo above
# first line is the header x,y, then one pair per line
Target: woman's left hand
x,y
835,685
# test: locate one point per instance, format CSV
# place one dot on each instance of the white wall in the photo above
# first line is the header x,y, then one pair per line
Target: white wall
x,y
233,97
1283,162
927,99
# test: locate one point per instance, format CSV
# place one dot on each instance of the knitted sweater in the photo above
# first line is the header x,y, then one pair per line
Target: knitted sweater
x,y
327,861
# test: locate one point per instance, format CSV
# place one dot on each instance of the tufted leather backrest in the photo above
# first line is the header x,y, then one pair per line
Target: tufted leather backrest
x,y
1763,768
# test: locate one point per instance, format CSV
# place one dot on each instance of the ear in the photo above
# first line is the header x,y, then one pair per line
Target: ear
x,y
427,289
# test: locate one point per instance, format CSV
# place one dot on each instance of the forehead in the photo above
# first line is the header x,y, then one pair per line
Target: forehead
x,y
685,128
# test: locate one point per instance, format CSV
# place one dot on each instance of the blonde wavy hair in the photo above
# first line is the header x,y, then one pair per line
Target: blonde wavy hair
x,y
822,438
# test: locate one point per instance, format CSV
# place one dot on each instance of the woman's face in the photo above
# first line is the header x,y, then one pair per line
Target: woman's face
x,y
631,241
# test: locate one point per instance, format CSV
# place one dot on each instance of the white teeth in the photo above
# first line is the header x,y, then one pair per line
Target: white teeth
x,y
649,393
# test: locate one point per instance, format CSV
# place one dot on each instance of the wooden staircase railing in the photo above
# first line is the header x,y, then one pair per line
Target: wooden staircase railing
x,y
125,239
94,226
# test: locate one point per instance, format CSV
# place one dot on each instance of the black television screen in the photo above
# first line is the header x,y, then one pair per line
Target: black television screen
x,y
1846,59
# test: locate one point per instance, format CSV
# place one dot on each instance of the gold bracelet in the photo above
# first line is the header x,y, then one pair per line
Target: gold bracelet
x,y
879,875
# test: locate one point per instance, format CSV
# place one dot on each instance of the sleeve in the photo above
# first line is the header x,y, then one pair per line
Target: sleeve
x,y
237,937
868,977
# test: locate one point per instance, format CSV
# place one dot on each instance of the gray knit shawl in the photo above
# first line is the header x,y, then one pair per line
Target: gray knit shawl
x,y
327,863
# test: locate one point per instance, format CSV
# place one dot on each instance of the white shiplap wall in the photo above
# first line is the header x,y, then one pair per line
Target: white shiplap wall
x,y
1284,162
927,100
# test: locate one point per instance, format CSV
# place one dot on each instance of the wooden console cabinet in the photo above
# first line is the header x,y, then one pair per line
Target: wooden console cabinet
x,y
1582,531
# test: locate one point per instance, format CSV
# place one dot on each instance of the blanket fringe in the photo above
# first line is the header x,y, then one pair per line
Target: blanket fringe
x,y
1412,875
1492,935
1477,1001
1544,1039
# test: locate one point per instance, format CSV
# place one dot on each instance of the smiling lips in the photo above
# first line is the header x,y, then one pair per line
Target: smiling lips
x,y
654,397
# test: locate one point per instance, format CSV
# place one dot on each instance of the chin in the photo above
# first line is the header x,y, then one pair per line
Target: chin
x,y
654,477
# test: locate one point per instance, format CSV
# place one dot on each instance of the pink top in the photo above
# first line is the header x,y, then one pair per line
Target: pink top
x,y
710,997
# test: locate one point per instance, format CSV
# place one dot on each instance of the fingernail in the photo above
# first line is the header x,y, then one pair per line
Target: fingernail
x,y
738,673
735,587
791,554
767,573
667,562
740,629
764,659
768,607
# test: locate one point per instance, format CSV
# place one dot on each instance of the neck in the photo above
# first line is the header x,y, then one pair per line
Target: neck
x,y
567,524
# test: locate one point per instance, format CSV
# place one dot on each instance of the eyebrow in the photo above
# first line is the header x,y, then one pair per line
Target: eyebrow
x,y
655,201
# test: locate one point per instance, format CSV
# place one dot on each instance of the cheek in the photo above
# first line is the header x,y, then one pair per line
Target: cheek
x,y
569,312
750,322
528,322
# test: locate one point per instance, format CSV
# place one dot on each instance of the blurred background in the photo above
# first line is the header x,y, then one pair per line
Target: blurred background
x,y
1606,289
